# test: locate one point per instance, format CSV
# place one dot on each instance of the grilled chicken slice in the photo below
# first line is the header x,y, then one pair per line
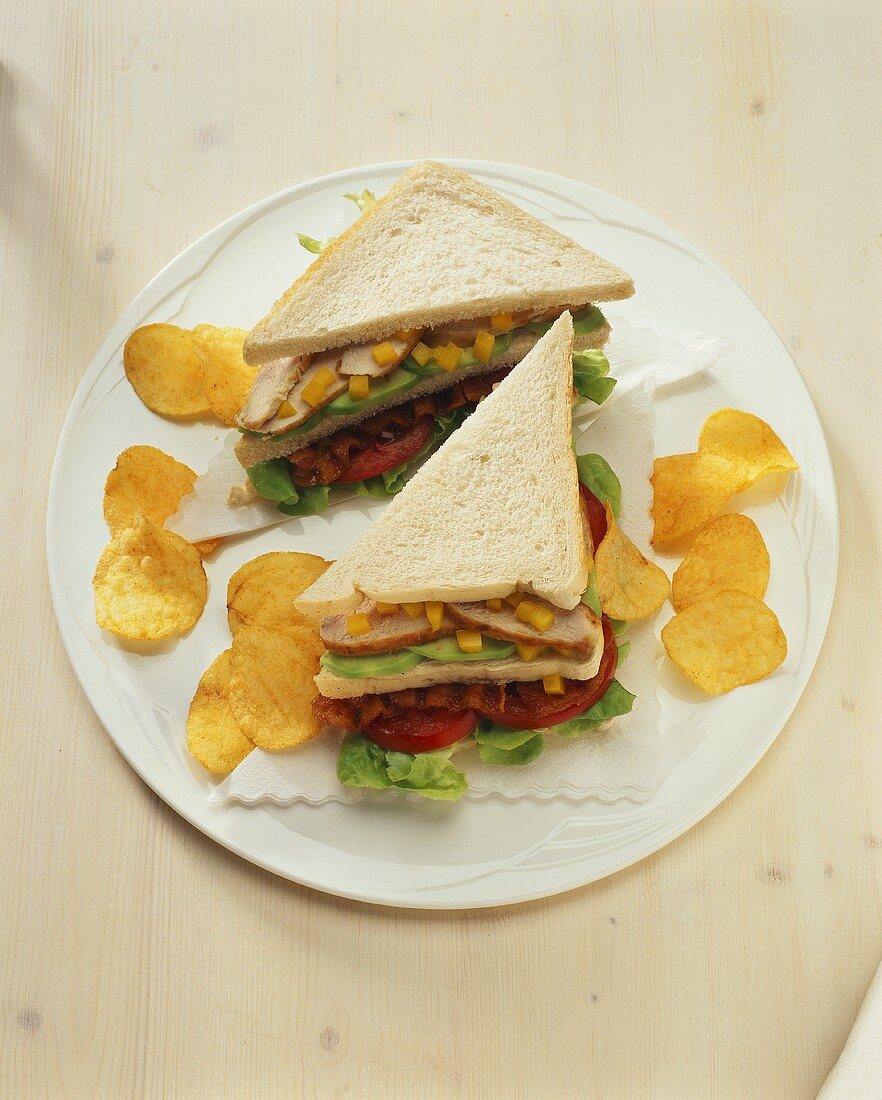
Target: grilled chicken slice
x,y
302,410
271,386
387,633
577,632
359,358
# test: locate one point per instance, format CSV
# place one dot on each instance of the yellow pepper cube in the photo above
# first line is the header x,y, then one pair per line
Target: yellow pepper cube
x,y
386,608
359,387
384,354
494,605
484,345
414,609
514,598
469,641
542,619
501,322
553,684
529,652
314,390
286,409
357,624
421,353
435,613
525,610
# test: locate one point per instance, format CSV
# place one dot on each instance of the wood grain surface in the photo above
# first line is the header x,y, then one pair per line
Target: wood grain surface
x,y
137,958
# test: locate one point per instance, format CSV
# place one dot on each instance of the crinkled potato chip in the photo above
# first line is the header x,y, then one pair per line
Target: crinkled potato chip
x,y
747,442
149,583
226,377
687,492
629,586
725,641
148,482
262,592
271,685
728,554
165,371
213,736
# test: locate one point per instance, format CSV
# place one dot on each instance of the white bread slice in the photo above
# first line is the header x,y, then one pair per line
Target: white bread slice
x,y
494,509
508,670
440,246
250,451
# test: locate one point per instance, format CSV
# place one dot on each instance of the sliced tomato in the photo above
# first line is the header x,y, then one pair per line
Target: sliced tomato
x,y
596,514
421,729
380,456
530,710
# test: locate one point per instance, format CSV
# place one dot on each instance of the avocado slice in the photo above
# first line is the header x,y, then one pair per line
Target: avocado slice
x,y
374,664
397,382
447,650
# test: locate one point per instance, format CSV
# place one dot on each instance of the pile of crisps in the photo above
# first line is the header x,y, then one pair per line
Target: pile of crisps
x,y
149,583
259,691
723,635
189,373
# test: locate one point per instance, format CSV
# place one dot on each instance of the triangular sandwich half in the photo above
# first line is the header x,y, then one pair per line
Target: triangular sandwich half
x,y
402,325
466,594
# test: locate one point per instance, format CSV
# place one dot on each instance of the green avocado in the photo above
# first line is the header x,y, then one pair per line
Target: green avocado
x,y
374,664
447,650
397,382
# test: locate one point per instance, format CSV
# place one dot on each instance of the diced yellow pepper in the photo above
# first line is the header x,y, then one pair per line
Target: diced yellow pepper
x,y
525,610
435,613
359,387
469,641
414,609
484,345
514,598
494,605
314,390
553,684
448,356
529,652
357,624
286,409
386,608
384,354
543,618
500,322
421,353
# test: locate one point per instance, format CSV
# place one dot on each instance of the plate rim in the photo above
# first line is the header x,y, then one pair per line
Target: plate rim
x,y
205,823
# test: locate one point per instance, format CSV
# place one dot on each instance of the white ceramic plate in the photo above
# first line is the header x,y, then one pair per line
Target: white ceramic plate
x,y
475,853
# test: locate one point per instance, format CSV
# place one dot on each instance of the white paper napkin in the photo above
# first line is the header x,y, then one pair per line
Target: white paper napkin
x,y
858,1073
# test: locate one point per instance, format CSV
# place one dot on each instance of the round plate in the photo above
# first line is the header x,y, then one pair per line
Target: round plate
x,y
479,853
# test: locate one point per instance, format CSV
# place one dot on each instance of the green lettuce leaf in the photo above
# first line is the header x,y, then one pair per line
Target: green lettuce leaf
x,y
307,502
513,757
313,245
488,733
596,474
364,200
619,626
591,597
615,701
590,371
362,763
624,648
428,773
272,479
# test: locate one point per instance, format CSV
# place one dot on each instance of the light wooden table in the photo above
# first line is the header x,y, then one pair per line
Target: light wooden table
x,y
138,958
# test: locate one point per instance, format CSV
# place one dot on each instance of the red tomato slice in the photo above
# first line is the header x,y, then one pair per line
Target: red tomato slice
x,y
380,457
596,514
530,714
421,729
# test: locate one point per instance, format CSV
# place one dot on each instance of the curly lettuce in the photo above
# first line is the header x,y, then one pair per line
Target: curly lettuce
x,y
363,763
